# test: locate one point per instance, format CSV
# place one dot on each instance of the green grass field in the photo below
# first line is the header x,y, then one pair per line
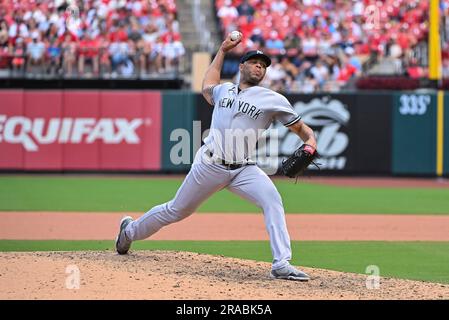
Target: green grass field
x,y
22,193
427,261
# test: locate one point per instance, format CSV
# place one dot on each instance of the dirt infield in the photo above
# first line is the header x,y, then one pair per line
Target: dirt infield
x,y
219,226
182,275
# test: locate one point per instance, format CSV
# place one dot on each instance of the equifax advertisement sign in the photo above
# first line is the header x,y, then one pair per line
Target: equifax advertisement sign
x,y
85,130
33,133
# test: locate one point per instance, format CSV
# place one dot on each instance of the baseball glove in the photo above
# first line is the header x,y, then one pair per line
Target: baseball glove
x,y
295,165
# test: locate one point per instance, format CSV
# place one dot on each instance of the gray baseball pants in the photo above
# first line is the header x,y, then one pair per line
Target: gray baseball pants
x,y
204,179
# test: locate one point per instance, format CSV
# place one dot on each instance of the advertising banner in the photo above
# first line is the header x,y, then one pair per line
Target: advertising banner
x,y
80,130
353,132
80,105
12,152
415,133
332,119
178,136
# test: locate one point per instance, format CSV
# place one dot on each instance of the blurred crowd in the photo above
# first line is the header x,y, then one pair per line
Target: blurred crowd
x,y
326,44
90,38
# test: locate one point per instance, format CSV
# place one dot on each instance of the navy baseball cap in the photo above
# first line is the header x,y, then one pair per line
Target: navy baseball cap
x,y
256,53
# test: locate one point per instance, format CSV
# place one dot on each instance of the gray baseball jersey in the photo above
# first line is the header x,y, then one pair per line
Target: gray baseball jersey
x,y
241,116
252,111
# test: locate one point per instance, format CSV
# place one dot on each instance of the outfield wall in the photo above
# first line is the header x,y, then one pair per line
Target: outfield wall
x,y
400,133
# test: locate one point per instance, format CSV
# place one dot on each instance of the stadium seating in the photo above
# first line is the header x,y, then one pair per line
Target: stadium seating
x,y
324,44
89,38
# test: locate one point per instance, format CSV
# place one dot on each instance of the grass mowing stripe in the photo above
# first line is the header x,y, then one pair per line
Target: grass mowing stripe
x,y
18,193
427,261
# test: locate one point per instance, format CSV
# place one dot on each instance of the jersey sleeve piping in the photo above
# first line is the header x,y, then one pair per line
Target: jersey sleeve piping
x,y
293,121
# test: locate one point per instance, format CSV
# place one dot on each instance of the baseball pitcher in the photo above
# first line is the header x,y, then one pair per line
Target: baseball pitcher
x,y
240,110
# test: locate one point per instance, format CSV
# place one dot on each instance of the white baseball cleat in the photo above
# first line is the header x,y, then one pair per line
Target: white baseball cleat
x,y
289,273
122,243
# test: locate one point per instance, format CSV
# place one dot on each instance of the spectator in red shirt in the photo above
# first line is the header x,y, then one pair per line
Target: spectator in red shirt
x,y
88,51
119,35
346,72
170,35
403,39
18,54
246,25
67,36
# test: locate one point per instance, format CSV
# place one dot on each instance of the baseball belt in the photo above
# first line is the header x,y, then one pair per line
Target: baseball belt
x,y
228,165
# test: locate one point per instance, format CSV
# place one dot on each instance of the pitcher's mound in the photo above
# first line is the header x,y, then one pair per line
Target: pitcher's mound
x,y
182,275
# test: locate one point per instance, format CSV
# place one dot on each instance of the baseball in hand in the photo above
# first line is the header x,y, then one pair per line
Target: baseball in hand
x,y
235,35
